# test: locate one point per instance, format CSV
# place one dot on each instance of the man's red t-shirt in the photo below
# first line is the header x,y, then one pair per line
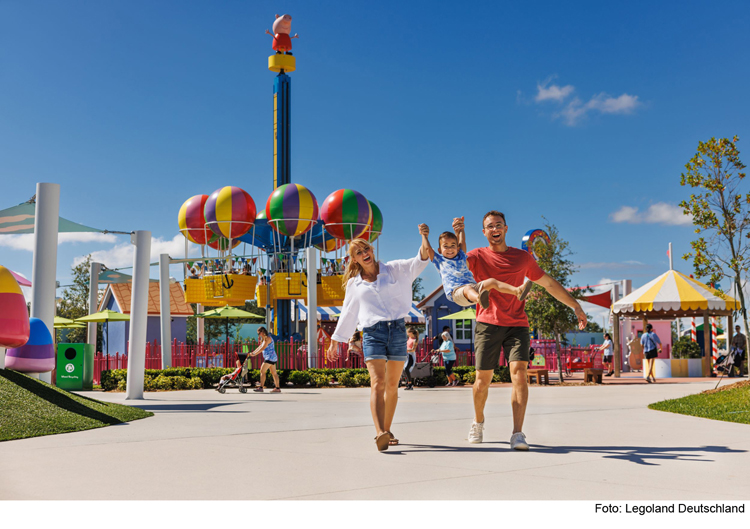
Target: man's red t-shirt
x,y
509,267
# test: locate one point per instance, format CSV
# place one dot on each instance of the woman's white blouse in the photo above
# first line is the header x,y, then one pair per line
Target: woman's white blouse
x,y
387,298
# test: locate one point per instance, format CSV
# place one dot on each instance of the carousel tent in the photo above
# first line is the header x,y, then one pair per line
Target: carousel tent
x,y
675,295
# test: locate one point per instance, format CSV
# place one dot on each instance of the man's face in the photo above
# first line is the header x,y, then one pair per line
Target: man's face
x,y
737,328
494,229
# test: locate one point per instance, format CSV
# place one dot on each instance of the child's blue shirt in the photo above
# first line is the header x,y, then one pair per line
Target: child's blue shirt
x,y
453,272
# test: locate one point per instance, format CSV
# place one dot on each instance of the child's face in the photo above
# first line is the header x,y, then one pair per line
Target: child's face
x,y
448,248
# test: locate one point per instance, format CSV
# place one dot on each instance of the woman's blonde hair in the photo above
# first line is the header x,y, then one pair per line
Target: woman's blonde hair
x,y
353,268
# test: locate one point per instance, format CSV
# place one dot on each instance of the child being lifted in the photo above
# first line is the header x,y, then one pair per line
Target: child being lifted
x,y
458,282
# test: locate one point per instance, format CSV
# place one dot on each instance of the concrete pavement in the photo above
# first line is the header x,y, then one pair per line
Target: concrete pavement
x,y
587,443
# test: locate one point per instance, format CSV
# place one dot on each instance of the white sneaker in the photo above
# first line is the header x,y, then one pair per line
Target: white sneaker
x,y
518,441
476,433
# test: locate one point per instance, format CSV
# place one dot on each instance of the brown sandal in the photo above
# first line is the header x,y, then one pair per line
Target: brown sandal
x,y
393,441
382,441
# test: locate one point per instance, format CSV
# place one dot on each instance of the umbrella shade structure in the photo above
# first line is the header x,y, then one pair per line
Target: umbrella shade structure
x,y
65,323
673,295
102,317
466,314
229,313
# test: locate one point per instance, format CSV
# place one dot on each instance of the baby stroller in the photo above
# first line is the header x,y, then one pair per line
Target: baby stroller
x,y
234,379
725,363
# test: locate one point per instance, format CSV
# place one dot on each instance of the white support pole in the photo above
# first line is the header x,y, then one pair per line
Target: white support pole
x,y
2,357
44,266
165,312
94,270
312,308
138,314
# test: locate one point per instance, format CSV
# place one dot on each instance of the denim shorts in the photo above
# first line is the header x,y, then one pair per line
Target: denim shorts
x,y
386,340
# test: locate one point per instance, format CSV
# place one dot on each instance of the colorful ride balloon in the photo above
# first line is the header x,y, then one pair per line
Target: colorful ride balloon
x,y
329,243
531,238
221,243
14,316
192,220
292,210
376,224
346,213
35,356
230,212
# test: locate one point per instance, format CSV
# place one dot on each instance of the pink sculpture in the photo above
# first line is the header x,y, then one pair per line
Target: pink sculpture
x,y
282,42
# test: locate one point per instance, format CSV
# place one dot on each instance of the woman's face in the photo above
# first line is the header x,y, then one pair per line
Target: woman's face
x,y
363,256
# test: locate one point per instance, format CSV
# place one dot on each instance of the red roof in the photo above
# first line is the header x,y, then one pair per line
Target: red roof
x,y
122,293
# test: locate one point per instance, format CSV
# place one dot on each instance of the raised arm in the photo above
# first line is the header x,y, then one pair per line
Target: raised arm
x,y
426,251
558,292
458,229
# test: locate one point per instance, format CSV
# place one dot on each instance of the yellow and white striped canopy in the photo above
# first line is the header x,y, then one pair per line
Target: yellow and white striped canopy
x,y
673,291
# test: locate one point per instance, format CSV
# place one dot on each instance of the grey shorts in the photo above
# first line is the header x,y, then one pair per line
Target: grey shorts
x,y
460,299
491,340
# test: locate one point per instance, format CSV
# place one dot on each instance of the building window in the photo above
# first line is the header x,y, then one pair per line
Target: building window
x,y
463,330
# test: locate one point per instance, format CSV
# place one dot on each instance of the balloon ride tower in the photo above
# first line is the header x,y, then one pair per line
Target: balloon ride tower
x,y
282,62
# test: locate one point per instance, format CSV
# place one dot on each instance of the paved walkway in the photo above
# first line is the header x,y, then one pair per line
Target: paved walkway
x,y
587,443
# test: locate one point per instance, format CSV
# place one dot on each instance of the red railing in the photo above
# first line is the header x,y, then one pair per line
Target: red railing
x,y
293,355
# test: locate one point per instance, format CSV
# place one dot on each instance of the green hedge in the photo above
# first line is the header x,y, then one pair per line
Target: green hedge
x,y
207,377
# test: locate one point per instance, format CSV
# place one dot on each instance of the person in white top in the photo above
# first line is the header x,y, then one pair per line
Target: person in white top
x,y
608,347
377,299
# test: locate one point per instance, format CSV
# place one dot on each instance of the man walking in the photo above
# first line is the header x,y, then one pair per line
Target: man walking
x,y
503,326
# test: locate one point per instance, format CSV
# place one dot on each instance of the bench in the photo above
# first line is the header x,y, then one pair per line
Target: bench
x,y
541,376
592,375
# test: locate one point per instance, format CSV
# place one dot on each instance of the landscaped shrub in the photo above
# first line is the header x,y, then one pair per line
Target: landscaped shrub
x,y
685,347
362,379
299,378
320,380
470,377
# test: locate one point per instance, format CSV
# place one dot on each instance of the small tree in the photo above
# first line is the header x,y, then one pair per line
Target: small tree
x,y
552,317
417,290
721,212
75,303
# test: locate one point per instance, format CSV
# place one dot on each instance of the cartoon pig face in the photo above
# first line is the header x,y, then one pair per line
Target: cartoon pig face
x,y
283,24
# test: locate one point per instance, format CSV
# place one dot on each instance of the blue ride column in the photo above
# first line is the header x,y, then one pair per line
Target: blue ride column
x,y
282,173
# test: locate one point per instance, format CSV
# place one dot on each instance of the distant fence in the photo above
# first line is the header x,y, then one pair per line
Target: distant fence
x,y
294,355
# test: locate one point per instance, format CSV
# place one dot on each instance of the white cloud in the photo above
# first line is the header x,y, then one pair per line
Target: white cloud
x,y
576,110
121,255
659,213
26,241
552,92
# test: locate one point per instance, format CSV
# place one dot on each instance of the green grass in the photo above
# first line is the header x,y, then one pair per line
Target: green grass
x,y
729,403
30,408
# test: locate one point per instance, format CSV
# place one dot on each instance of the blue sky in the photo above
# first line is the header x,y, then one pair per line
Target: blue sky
x,y
582,112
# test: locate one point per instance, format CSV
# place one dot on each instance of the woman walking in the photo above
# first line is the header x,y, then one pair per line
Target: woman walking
x,y
449,357
651,349
265,346
378,298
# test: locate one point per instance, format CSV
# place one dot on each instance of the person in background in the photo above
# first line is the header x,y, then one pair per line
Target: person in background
x,y
607,347
651,349
411,348
449,358
355,346
266,347
739,344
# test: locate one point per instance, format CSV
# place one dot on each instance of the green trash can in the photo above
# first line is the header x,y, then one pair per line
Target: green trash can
x,y
75,366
